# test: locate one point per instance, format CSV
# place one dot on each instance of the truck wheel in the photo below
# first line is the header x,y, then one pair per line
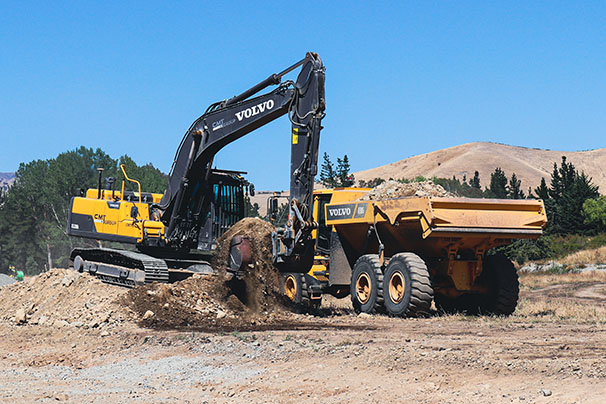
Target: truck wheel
x,y
292,287
501,277
408,290
306,299
367,285
295,288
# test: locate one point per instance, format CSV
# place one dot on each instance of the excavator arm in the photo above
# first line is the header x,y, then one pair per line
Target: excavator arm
x,y
186,202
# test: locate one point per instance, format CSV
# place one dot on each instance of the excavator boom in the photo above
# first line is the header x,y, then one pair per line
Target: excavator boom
x,y
176,231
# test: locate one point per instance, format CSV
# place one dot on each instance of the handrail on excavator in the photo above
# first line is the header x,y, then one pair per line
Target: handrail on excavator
x,y
131,180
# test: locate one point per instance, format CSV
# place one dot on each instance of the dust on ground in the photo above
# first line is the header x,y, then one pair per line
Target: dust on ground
x,y
393,189
218,301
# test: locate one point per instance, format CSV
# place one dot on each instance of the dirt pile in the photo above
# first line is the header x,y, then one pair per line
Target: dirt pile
x,y
263,280
217,301
62,298
393,189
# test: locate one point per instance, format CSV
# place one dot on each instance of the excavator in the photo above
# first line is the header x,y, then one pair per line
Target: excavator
x,y
174,234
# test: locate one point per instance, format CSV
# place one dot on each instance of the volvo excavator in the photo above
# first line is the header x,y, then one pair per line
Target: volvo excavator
x,y
174,233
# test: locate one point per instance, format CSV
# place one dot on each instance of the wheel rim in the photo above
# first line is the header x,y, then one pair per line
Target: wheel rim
x,y
396,287
290,288
363,288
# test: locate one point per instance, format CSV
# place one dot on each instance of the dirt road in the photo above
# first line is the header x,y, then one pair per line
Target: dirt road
x,y
553,350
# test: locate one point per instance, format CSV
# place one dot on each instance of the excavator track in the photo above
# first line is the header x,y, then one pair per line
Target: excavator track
x,y
120,267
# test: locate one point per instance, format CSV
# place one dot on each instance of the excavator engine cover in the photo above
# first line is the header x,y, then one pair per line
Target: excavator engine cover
x,y
240,255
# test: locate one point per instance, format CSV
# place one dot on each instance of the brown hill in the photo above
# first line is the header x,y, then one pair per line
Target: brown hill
x,y
529,165
6,180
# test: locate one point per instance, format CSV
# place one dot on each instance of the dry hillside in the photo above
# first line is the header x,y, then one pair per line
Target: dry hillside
x,y
529,165
6,180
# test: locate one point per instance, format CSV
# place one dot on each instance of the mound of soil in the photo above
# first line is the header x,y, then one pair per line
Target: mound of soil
x,y
393,189
61,298
217,301
263,280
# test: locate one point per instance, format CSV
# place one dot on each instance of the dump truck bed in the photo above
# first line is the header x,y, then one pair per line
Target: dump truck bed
x,y
441,216
428,224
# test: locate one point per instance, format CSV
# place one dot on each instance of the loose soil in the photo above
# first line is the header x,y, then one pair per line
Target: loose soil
x,y
218,302
392,189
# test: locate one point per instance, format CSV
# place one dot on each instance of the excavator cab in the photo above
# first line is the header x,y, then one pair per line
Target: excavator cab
x,y
230,192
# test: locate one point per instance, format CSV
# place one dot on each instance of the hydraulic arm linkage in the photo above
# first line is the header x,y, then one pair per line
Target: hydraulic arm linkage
x,y
186,202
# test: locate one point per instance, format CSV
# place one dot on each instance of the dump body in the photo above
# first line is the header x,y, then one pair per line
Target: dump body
x,y
430,224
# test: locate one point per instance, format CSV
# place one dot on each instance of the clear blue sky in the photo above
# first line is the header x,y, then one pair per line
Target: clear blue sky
x,y
402,78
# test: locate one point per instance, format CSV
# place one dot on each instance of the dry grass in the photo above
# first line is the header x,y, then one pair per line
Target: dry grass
x,y
555,304
540,280
558,309
585,257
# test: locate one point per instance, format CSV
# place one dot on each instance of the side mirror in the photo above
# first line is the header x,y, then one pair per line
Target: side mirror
x,y
251,189
134,212
272,207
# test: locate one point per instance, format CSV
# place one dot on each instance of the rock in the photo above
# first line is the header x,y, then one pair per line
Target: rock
x,y
60,323
20,317
61,397
148,314
151,293
103,318
546,392
221,314
104,333
364,315
67,281
42,320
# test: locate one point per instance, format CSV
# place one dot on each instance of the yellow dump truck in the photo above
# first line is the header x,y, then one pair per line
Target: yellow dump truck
x,y
399,255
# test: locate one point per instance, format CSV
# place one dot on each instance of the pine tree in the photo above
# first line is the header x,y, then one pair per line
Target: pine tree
x,y
514,190
344,177
542,191
498,184
327,172
475,181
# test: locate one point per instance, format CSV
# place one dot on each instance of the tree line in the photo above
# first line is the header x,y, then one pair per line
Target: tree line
x,y
33,211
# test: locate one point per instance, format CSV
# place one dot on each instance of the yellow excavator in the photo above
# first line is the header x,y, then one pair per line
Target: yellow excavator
x,y
174,234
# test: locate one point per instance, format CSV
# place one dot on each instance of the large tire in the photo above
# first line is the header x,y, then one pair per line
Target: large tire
x,y
408,291
367,285
306,294
501,278
292,287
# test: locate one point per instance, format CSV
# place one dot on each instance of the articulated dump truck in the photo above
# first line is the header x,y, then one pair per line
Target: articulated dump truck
x,y
396,256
